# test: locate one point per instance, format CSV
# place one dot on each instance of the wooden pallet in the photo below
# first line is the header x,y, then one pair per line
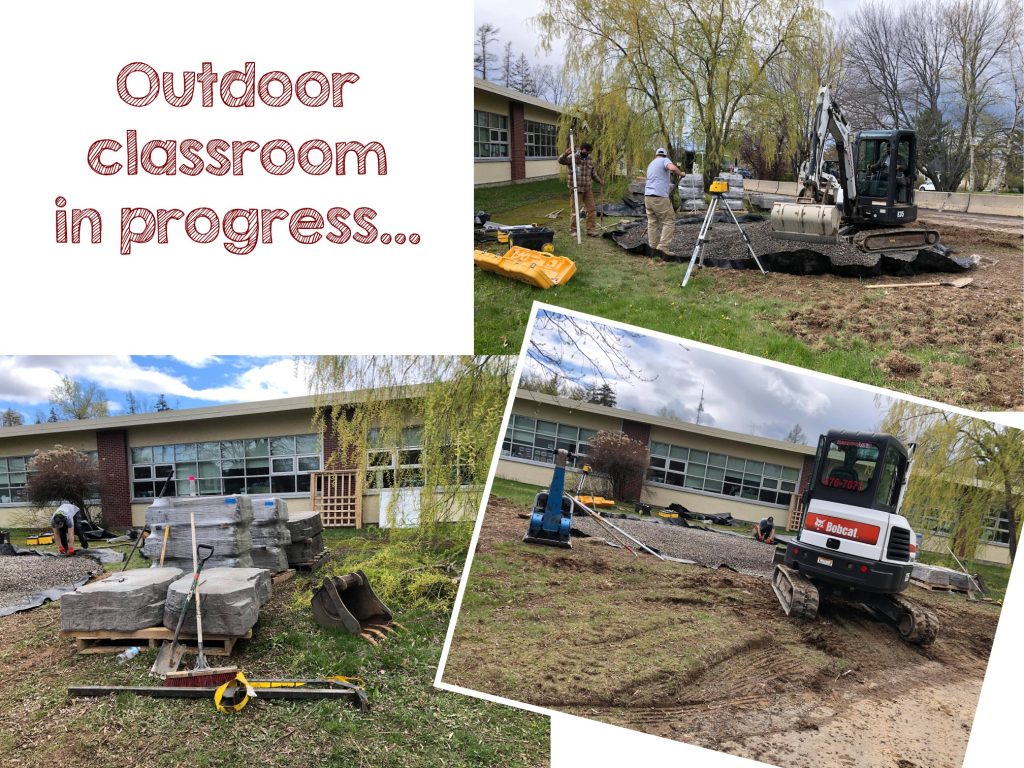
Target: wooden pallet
x,y
315,563
936,587
282,577
114,642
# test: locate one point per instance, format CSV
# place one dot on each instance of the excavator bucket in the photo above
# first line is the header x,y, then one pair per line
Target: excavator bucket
x,y
349,603
805,222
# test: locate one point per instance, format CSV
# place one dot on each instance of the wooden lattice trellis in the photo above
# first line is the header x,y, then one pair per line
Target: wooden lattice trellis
x,y
338,496
796,512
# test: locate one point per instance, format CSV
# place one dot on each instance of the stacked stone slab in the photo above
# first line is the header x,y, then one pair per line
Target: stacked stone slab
x,y
307,539
269,533
221,522
230,599
124,602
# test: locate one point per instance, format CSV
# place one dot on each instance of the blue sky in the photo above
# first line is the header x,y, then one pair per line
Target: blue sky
x,y
186,382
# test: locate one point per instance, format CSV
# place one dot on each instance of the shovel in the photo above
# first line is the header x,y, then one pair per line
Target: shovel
x,y
169,658
957,282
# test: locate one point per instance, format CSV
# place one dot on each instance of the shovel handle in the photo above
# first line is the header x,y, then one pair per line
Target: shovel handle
x,y
203,558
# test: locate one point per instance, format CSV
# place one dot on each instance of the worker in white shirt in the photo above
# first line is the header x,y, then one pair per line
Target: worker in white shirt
x,y
66,521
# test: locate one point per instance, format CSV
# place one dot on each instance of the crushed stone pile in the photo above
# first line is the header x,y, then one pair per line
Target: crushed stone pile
x,y
724,247
230,599
708,548
27,581
122,602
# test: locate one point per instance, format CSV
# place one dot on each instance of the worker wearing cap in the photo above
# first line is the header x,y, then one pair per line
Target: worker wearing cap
x,y
765,530
66,521
586,175
661,217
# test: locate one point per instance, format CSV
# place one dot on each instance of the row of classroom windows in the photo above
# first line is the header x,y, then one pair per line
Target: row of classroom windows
x,y
673,465
256,465
491,137
692,469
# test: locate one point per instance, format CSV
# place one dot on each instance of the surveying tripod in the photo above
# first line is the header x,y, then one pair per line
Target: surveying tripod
x,y
718,188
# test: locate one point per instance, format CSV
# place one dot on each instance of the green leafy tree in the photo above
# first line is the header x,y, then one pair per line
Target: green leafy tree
x,y
966,473
649,66
72,400
602,395
161,404
456,401
11,418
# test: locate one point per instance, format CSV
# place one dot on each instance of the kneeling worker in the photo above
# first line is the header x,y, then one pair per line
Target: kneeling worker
x,y
66,521
765,530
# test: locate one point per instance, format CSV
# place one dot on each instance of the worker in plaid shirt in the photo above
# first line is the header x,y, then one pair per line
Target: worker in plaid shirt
x,y
586,175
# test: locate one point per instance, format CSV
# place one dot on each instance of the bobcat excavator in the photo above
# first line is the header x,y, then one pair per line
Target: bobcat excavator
x,y
853,542
868,202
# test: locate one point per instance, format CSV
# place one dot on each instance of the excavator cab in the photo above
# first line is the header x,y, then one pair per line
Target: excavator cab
x,y
884,163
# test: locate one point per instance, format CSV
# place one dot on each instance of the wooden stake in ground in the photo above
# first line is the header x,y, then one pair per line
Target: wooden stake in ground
x,y
958,282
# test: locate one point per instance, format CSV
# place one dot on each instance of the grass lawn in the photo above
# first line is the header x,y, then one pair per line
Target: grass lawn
x,y
410,723
739,310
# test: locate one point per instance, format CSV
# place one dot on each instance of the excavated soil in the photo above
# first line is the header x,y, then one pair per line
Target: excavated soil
x,y
967,341
707,656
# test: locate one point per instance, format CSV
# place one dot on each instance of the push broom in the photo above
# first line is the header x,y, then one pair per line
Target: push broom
x,y
202,675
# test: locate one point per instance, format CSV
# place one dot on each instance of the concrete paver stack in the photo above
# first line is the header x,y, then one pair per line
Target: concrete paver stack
x,y
269,533
122,602
221,522
307,540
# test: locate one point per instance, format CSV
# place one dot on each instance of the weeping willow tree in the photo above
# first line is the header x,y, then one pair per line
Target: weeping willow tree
x,y
968,473
644,63
425,422
777,116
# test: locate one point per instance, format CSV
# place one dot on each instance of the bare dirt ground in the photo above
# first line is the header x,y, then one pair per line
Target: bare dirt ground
x,y
976,329
707,656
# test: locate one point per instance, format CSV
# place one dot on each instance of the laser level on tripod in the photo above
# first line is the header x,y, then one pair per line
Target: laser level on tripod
x,y
718,188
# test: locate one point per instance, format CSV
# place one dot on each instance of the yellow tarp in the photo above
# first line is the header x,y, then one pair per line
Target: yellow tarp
x,y
596,501
527,266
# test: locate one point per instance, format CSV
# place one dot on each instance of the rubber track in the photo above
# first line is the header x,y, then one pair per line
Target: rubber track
x,y
803,595
926,623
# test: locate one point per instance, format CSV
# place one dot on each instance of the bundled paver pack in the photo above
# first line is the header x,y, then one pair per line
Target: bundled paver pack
x,y
306,538
221,521
269,533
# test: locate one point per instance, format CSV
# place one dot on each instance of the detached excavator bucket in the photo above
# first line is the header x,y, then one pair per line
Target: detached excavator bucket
x,y
349,603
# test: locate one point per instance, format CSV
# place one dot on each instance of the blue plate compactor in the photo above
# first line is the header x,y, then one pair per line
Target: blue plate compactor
x,y
551,520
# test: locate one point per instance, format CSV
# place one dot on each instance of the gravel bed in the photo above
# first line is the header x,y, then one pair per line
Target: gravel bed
x,y
724,242
708,548
23,576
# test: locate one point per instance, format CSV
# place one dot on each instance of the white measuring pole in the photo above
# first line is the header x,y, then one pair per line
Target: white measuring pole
x,y
575,189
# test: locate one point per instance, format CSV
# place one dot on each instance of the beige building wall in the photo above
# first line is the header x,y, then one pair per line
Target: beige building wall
x,y
989,553
26,516
541,169
492,172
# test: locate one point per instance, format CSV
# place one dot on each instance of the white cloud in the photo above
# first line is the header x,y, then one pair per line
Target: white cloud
x,y
29,379
196,361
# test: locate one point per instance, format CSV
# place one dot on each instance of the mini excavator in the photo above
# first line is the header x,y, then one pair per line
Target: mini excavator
x,y
865,197
853,543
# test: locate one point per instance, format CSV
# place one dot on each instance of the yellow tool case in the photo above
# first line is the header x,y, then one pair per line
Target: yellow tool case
x,y
39,539
531,267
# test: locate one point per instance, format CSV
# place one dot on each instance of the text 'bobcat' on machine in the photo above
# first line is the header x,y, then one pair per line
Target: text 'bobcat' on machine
x,y
866,197
853,542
